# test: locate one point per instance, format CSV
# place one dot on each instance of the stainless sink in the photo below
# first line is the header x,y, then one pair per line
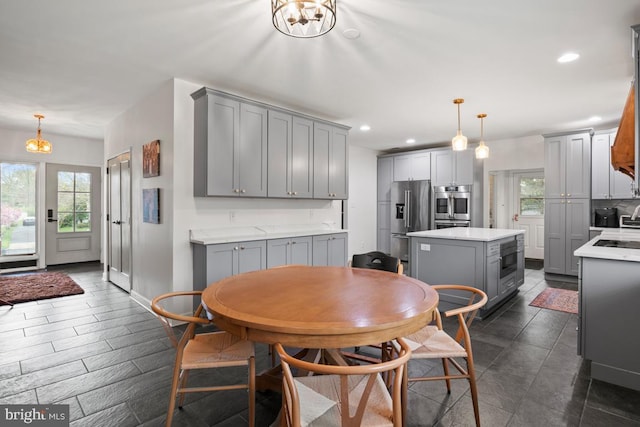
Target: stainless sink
x,y
626,244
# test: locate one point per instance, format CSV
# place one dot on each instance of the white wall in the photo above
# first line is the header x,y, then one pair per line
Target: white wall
x,y
68,150
151,245
511,154
362,203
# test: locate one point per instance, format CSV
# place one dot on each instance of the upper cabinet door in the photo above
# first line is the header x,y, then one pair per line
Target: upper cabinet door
x,y
330,162
600,167
279,154
251,153
442,167
414,166
464,166
578,166
554,167
220,140
301,165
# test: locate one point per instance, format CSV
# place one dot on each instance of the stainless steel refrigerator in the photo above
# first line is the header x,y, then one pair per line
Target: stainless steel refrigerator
x,y
410,211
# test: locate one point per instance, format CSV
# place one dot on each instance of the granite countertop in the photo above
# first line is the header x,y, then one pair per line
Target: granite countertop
x,y
468,233
588,250
259,232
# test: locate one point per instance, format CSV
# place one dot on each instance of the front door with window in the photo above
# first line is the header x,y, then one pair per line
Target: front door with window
x,y
72,214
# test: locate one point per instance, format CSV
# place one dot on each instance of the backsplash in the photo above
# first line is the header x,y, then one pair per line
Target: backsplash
x,y
624,206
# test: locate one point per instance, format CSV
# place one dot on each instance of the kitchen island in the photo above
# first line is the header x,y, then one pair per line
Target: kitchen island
x,y
608,314
489,259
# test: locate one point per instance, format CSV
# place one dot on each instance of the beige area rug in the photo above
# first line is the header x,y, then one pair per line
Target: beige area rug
x,y
36,286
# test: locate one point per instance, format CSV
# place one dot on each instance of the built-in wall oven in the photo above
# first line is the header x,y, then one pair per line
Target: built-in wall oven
x,y
508,258
452,206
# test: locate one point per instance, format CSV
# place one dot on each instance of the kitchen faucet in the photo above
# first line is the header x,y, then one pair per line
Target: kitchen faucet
x,y
635,213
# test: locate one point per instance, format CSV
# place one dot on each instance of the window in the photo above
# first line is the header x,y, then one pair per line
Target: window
x,y
74,202
531,196
18,208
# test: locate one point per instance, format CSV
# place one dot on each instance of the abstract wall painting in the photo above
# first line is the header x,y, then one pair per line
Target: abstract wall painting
x,y
151,159
151,205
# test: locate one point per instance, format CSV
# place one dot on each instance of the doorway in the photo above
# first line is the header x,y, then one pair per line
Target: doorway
x,y
73,210
517,202
119,221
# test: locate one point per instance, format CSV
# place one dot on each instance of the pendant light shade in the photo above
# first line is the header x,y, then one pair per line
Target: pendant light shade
x,y
303,18
38,145
482,151
459,142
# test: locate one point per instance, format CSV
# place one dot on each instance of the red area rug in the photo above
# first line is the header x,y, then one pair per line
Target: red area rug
x,y
557,299
36,286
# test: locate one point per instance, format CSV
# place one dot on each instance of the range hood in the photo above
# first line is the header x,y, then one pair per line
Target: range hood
x,y
623,149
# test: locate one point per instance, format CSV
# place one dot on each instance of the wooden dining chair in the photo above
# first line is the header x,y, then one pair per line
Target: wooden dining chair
x,y
432,342
377,261
203,351
348,396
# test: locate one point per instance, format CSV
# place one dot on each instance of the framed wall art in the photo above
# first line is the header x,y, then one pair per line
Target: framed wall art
x,y
151,205
151,159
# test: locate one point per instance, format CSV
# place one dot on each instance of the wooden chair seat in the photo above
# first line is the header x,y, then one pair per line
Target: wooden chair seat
x,y
349,396
207,350
433,343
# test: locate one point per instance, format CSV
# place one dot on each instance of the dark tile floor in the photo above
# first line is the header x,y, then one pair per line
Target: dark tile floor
x,y
108,358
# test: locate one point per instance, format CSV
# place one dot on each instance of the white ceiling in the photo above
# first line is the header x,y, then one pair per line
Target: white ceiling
x,y
83,62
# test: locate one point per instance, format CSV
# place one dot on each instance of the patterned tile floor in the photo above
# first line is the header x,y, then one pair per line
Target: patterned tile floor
x,y
109,359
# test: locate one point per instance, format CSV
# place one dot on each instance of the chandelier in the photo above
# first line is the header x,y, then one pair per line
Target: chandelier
x,y
38,145
459,142
482,151
303,18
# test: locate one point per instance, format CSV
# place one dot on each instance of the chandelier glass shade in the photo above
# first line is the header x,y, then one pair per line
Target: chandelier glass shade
x,y
303,18
482,151
38,145
459,142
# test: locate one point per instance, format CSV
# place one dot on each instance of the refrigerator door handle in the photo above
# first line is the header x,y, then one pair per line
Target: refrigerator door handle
x,y
407,208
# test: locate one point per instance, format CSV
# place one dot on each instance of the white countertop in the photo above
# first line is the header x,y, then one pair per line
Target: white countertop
x,y
259,232
468,233
621,254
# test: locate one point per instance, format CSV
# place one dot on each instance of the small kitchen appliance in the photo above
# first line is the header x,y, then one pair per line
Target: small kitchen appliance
x,y
606,217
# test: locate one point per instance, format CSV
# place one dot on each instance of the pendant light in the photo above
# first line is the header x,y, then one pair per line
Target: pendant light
x,y
459,142
482,151
303,18
38,145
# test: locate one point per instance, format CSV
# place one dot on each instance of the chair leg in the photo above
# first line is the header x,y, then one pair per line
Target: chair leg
x,y
445,367
183,384
252,391
404,393
474,390
174,391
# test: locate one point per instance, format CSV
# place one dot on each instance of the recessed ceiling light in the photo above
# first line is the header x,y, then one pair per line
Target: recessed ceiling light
x,y
568,57
365,128
595,118
351,33
411,141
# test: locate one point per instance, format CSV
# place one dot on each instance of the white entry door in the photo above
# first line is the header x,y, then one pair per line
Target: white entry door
x,y
72,199
119,221
528,204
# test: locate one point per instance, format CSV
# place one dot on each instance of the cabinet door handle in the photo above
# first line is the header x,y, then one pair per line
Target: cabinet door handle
x,y
561,194
242,191
242,248
235,248
295,193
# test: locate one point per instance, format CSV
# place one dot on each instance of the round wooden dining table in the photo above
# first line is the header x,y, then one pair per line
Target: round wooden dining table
x,y
320,307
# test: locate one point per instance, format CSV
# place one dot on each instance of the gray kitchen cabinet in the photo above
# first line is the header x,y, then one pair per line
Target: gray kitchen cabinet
x,y
608,311
292,250
383,228
385,178
330,249
290,156
412,166
330,162
215,262
567,187
567,164
448,167
606,182
566,228
230,146
464,262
